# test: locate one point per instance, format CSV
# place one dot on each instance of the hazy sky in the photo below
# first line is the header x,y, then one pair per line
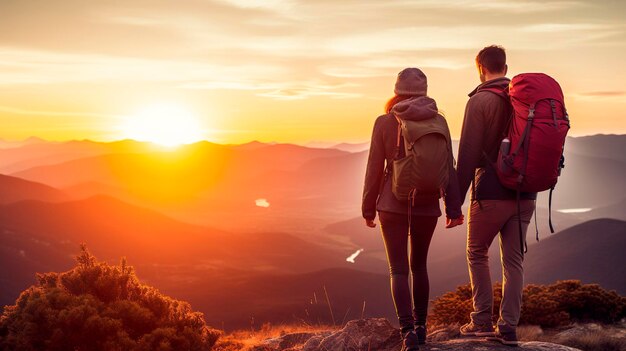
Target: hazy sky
x,y
290,70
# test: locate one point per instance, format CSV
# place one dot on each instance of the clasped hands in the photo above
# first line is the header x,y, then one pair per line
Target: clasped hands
x,y
450,222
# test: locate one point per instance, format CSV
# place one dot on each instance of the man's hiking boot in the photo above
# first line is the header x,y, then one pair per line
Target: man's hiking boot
x,y
471,329
507,338
420,330
409,341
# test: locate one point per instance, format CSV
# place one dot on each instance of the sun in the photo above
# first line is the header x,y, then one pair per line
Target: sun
x,y
166,124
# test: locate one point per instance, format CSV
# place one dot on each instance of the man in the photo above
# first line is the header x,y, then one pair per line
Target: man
x,y
493,208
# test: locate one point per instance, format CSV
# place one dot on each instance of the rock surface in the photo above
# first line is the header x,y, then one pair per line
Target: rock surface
x,y
362,334
580,330
378,334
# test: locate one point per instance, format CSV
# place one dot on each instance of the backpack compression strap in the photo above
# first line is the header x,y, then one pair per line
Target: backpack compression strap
x,y
397,153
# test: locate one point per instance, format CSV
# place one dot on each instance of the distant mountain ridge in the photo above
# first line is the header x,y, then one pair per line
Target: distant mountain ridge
x,y
13,189
37,236
609,146
592,252
147,204
198,265
25,156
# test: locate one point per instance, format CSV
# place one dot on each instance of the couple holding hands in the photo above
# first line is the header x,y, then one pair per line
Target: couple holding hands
x,y
412,219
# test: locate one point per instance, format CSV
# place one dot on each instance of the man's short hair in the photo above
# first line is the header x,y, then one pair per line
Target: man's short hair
x,y
493,58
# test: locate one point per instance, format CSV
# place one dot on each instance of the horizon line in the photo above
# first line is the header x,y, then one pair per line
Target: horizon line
x,y
307,143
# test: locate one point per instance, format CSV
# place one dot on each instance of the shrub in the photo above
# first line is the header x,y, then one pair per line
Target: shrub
x,y
452,307
571,301
546,305
96,306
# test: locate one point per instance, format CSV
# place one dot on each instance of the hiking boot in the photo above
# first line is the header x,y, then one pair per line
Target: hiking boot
x,y
409,341
420,330
471,329
508,338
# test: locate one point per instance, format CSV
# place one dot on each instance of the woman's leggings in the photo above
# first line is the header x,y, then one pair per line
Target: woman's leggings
x,y
395,229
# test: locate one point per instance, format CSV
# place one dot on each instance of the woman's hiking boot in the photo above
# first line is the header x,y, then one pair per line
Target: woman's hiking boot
x,y
420,331
409,341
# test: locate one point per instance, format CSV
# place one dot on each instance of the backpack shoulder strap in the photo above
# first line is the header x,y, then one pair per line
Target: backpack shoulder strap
x,y
509,113
399,136
503,93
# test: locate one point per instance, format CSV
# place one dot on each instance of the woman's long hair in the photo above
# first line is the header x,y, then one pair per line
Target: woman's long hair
x,y
394,100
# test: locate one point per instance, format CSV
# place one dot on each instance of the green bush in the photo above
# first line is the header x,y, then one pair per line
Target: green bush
x,y
546,305
96,306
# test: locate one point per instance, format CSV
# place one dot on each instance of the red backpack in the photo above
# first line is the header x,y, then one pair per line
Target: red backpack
x,y
531,155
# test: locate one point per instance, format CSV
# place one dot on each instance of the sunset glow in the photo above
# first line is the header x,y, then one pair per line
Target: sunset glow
x,y
164,124
290,70
221,174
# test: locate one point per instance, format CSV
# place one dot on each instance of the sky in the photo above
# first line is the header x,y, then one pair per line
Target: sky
x,y
289,70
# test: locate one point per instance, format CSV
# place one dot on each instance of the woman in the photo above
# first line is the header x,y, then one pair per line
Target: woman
x,y
410,98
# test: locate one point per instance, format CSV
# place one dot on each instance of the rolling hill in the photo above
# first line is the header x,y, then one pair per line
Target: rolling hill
x,y
14,189
605,146
39,152
246,260
289,297
204,183
39,236
592,252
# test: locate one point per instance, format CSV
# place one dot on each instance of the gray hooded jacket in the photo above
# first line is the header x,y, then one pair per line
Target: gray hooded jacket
x,y
377,195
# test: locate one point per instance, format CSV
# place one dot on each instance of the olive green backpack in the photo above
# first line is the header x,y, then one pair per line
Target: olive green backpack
x,y
423,173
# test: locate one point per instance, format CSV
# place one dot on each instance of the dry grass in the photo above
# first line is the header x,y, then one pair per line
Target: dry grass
x,y
246,339
597,341
590,340
442,333
530,333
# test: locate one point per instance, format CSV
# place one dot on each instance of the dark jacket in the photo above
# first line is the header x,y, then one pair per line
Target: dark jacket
x,y
382,152
484,127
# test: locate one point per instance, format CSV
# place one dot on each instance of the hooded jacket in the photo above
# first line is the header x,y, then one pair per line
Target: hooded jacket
x,y
484,126
377,194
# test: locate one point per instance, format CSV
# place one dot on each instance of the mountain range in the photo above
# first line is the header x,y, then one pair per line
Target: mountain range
x,y
192,222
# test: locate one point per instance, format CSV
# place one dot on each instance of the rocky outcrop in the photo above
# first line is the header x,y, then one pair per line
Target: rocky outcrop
x,y
581,330
362,334
378,334
289,341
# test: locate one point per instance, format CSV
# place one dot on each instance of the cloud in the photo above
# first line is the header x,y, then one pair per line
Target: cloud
x,y
140,21
388,65
227,85
564,27
607,95
22,65
299,94
419,58
275,48
274,5
19,111
514,6
286,90
499,6
266,79
604,93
